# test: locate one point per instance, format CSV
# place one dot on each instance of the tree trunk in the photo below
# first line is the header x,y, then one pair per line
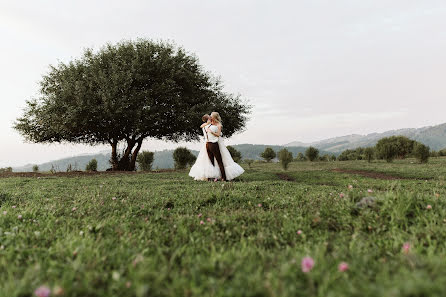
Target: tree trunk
x,y
127,162
132,166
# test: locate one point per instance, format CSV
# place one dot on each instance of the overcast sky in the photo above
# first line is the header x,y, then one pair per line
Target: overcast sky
x,y
312,69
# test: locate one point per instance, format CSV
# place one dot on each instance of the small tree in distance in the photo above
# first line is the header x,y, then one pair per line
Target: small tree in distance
x,y
421,152
145,160
285,158
92,165
369,153
183,157
235,154
268,154
312,153
35,168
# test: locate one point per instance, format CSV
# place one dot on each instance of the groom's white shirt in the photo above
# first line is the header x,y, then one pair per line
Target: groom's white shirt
x,y
211,137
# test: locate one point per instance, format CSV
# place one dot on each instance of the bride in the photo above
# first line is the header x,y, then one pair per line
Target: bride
x,y
203,169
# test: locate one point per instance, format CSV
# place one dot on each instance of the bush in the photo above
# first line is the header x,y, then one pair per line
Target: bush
x,y
421,152
285,157
249,162
145,160
183,157
35,168
235,154
442,153
300,157
69,168
389,148
92,165
312,153
268,154
369,153
6,169
333,158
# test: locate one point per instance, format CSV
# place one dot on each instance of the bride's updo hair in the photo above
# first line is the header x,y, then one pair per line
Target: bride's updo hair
x,y
216,117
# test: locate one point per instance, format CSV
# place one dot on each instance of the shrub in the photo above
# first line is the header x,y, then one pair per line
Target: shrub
x,y
92,165
268,154
145,160
285,157
312,153
6,169
387,149
69,168
249,162
369,153
235,154
300,157
421,152
183,157
35,168
333,158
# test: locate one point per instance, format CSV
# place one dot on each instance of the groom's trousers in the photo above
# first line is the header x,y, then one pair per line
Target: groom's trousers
x,y
214,151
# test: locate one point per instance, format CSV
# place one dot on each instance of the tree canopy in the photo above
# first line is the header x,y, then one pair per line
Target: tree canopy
x,y
125,93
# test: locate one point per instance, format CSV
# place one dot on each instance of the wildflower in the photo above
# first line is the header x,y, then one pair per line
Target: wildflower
x,y
74,208
406,247
113,198
343,266
350,187
429,206
341,195
42,291
208,219
259,205
307,264
19,217
201,222
370,191
299,232
5,212
58,291
2,247
199,215
128,284
81,233
14,206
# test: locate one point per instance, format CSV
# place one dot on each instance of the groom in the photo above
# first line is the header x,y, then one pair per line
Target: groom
x,y
212,146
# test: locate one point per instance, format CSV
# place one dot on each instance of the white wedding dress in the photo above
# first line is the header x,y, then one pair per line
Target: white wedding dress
x,y
203,169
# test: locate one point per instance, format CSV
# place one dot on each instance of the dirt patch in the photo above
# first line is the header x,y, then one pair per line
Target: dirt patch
x,y
76,173
285,177
376,175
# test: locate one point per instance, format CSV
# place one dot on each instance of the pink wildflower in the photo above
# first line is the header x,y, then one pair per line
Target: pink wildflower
x,y
406,247
299,232
370,191
128,284
208,219
343,266
14,206
307,264
341,195
350,187
199,215
259,205
113,198
201,222
42,291
19,217
429,206
74,208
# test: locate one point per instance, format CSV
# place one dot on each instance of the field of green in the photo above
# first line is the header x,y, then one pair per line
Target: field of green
x,y
163,234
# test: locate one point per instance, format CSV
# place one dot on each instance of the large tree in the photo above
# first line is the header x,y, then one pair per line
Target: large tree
x,y
125,93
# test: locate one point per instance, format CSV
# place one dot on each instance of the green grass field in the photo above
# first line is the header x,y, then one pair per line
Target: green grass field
x,y
163,234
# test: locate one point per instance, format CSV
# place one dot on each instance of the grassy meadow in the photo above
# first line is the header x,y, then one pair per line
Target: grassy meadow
x,y
163,234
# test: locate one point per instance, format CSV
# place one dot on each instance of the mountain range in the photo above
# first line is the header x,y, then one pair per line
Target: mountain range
x,y
432,136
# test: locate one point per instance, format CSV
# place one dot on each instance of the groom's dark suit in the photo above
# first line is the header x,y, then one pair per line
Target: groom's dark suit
x,y
214,152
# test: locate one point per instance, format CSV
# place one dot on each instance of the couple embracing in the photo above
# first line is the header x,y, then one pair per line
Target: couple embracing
x,y
214,160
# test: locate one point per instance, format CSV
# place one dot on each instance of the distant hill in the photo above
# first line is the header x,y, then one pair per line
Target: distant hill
x,y
162,159
432,136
